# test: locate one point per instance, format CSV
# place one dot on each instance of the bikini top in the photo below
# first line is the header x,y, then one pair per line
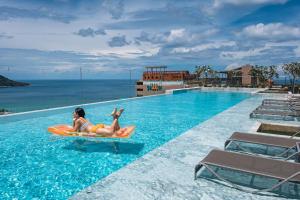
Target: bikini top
x,y
84,125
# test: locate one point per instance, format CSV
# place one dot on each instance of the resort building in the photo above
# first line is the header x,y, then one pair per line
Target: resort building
x,y
157,79
241,76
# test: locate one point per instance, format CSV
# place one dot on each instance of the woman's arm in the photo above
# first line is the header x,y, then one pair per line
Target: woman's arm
x,y
76,125
74,119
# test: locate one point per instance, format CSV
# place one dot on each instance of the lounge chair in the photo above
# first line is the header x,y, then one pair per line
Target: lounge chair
x,y
280,102
276,115
277,107
292,100
278,112
283,171
288,144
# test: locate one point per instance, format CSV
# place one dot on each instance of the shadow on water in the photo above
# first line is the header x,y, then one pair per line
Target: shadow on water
x,y
115,147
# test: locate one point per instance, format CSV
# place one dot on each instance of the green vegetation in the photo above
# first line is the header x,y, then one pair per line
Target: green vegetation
x,y
293,70
3,111
204,71
263,74
235,77
5,82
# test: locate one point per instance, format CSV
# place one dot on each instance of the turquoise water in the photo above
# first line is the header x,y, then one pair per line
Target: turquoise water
x,y
35,164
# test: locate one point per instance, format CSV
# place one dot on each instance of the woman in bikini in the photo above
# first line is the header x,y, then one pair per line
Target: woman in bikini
x,y
80,124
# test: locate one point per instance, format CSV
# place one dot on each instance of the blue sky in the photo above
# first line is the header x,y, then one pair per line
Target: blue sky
x,y
53,39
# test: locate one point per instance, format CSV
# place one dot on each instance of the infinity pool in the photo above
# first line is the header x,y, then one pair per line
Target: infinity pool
x,y
35,164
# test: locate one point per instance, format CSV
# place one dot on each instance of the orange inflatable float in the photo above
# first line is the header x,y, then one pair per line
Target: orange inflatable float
x,y
67,130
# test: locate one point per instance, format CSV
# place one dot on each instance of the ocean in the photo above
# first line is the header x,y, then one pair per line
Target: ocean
x,y
43,94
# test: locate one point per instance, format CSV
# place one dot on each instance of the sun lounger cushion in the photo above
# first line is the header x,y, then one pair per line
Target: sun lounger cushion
x,y
263,139
251,164
279,112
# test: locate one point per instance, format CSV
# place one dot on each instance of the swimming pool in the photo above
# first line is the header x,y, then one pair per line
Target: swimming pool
x,y
35,164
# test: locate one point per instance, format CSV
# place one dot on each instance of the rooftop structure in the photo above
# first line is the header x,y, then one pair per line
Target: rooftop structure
x,y
157,79
159,73
240,76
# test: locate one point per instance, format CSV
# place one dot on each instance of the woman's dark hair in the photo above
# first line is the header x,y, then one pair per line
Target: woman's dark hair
x,y
80,112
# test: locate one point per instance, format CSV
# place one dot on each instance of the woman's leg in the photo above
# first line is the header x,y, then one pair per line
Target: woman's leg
x,y
114,112
104,131
117,115
115,125
110,130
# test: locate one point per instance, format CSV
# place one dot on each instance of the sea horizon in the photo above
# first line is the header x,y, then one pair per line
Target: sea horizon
x,y
74,79
44,94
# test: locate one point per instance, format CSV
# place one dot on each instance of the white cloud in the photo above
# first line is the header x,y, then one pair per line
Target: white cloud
x,y
175,34
126,53
184,35
297,51
115,8
203,47
272,31
232,55
5,36
220,3
232,66
63,67
291,49
105,69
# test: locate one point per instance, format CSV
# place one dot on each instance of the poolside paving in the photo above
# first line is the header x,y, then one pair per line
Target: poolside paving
x,y
168,171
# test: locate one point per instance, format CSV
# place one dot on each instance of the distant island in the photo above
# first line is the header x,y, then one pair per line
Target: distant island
x,y
5,82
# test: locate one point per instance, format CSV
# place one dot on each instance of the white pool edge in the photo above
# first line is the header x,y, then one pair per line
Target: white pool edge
x,y
76,105
255,90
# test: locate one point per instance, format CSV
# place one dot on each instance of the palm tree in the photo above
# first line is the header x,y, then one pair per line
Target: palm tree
x,y
258,72
203,70
293,70
254,73
231,74
238,78
212,74
234,77
263,74
269,72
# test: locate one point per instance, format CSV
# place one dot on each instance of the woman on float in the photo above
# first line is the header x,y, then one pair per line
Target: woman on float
x,y
80,124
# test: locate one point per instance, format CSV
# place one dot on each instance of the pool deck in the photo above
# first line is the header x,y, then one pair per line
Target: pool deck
x,y
168,171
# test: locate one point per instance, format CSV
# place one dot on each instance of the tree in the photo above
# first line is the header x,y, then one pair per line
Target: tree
x,y
269,73
203,70
235,77
263,74
3,111
254,73
293,70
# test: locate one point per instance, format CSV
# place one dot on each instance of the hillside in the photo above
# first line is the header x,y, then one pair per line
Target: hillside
x,y
5,82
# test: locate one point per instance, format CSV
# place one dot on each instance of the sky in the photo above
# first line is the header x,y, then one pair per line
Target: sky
x,y
108,39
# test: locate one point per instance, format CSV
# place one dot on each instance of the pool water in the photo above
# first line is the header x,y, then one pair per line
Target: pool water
x,y
36,164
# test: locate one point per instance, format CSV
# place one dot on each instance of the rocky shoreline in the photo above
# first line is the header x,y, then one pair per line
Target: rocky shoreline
x,y
4,111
